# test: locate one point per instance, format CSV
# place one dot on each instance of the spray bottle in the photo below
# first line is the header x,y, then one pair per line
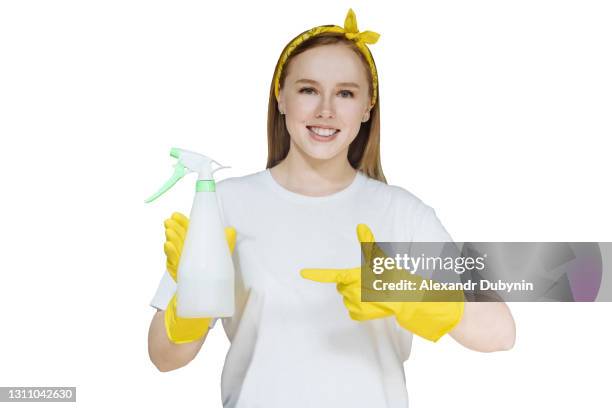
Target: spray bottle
x,y
205,282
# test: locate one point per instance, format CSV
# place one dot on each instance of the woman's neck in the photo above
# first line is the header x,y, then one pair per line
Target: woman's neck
x,y
313,177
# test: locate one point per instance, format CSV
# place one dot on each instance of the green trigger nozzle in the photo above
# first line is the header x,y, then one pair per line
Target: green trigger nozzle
x,y
179,172
189,162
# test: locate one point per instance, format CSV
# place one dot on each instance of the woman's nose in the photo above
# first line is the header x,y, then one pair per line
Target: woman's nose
x,y
325,108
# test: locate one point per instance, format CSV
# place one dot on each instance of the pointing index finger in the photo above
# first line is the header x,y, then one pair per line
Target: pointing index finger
x,y
331,275
321,275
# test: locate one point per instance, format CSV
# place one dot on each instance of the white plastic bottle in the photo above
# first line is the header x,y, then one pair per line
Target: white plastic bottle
x,y
205,281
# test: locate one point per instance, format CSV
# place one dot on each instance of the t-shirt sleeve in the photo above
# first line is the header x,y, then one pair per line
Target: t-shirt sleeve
x,y
165,291
427,227
402,339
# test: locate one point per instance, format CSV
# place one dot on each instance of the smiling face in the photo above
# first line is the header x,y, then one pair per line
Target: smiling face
x,y
325,98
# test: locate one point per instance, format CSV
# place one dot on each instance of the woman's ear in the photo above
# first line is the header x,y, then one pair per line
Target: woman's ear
x,y
281,103
366,115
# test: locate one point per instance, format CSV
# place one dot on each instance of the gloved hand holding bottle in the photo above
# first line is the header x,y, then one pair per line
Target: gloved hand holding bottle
x,y
206,287
183,330
428,319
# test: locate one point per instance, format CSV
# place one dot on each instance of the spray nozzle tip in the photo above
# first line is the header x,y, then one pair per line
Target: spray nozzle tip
x,y
174,152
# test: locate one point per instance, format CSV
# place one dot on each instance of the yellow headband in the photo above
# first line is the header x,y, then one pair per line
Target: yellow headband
x,y
351,32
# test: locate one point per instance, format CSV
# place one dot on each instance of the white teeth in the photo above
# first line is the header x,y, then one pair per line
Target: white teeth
x,y
323,132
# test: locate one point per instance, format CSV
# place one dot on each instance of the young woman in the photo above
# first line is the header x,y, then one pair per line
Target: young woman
x,y
299,342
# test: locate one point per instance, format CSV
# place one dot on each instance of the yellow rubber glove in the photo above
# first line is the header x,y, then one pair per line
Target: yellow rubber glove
x,y
183,330
430,320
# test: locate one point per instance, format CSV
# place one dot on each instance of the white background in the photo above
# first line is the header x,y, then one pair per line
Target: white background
x,y
497,114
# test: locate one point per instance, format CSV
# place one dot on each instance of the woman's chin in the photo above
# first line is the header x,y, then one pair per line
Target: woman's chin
x,y
320,151
322,154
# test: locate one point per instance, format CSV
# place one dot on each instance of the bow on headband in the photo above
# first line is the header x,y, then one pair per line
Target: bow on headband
x,y
350,31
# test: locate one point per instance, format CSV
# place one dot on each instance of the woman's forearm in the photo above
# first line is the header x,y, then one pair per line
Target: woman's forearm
x,y
486,327
165,354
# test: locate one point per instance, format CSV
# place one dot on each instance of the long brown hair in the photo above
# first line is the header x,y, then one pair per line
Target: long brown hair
x,y
364,151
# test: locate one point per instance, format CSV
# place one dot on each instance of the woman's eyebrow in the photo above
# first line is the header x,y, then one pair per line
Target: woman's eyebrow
x,y
313,82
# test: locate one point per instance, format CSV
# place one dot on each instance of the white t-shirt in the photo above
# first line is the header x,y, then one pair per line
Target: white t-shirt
x,y
293,343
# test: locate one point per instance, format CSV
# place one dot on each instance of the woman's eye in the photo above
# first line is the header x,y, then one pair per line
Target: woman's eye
x,y
310,91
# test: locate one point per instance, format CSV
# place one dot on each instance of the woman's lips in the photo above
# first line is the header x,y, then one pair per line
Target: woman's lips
x,y
319,138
